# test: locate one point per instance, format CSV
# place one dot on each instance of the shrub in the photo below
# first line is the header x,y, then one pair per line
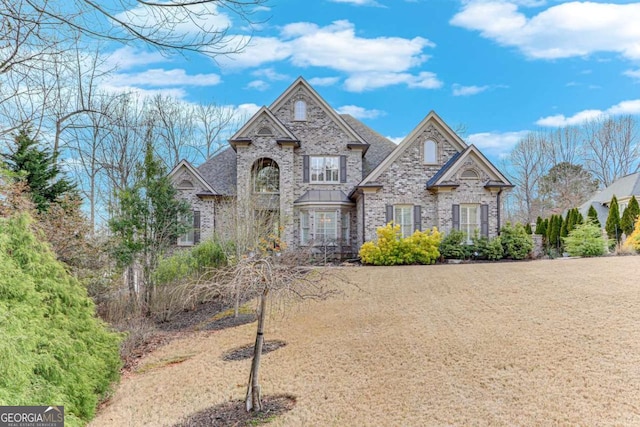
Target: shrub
x,y
585,240
54,349
494,250
516,243
454,246
186,263
392,249
633,241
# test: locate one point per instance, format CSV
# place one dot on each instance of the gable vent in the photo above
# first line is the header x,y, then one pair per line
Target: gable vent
x,y
265,131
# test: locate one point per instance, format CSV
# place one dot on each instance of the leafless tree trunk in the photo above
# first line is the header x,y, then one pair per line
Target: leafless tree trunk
x,y
214,120
254,398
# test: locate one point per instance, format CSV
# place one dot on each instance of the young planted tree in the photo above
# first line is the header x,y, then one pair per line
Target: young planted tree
x,y
592,215
630,216
148,220
613,221
36,166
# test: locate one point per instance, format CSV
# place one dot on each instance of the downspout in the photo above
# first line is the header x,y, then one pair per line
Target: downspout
x,y
499,209
363,220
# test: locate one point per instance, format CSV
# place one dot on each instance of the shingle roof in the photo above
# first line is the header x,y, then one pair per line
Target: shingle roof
x,y
220,172
444,169
379,146
626,186
323,196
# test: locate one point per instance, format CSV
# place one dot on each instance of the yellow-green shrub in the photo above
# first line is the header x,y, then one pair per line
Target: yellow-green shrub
x,y
391,249
633,240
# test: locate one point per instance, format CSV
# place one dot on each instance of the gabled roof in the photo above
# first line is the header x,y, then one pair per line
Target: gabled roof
x,y
448,170
431,118
330,111
221,171
379,146
627,186
184,164
263,111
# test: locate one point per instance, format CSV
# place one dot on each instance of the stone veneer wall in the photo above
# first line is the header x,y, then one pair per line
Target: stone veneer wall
x,y
206,206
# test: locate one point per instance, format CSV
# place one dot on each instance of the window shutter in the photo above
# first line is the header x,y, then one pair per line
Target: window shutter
x,y
196,227
455,216
484,220
417,218
343,168
389,214
305,168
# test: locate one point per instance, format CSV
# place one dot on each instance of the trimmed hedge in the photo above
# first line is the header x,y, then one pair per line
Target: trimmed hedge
x,y
392,249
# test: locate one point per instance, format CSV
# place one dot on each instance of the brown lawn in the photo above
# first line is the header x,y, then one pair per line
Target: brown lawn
x,y
532,343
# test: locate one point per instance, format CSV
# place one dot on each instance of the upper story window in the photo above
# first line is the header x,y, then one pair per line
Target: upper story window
x,y
266,176
300,110
325,169
430,152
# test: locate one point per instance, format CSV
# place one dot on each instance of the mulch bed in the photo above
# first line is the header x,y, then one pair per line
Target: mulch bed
x,y
234,413
246,352
229,322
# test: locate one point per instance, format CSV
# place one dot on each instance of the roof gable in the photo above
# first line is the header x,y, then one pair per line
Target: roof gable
x,y
261,114
431,119
185,165
301,82
457,162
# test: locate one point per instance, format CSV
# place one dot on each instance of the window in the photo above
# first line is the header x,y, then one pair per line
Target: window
x,y
192,236
469,174
266,176
430,152
325,169
403,216
300,110
326,227
305,236
469,220
346,222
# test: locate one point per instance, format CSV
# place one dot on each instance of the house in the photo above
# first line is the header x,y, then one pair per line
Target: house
x,y
623,188
327,180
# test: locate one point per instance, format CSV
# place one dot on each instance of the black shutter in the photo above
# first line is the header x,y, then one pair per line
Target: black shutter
x,y
343,168
417,218
484,220
305,168
455,216
196,227
389,214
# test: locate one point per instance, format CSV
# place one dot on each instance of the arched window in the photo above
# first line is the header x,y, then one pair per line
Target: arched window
x,y
430,152
300,110
266,176
469,174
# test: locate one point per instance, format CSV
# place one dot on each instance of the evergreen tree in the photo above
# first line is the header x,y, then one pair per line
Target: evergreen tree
x,y
37,167
528,229
579,218
592,215
629,216
613,221
149,220
564,227
539,226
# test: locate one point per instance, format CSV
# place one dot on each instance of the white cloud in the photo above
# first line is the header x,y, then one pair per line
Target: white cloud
x,y
395,139
561,31
258,85
163,78
323,81
359,2
270,74
359,112
203,17
128,57
496,144
634,74
459,90
631,107
337,47
245,111
177,93
367,81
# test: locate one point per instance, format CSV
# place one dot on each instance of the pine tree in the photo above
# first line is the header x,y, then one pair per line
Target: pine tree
x,y
592,215
539,226
37,167
613,221
528,229
579,218
629,216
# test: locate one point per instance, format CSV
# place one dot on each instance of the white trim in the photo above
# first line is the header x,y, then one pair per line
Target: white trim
x,y
193,171
263,110
480,159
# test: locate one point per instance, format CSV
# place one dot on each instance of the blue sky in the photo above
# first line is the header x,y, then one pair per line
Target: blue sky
x,y
498,68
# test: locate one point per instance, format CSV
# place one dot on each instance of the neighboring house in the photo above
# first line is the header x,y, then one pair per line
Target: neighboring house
x,y
624,188
328,180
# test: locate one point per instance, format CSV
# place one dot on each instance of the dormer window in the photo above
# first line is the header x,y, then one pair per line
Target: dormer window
x,y
430,152
300,110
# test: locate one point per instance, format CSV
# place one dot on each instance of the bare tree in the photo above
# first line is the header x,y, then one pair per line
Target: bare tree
x,y
564,146
214,121
611,147
174,129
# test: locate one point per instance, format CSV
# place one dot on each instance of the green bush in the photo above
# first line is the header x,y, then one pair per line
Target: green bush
x,y
454,246
585,240
392,249
516,243
186,263
494,250
54,351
